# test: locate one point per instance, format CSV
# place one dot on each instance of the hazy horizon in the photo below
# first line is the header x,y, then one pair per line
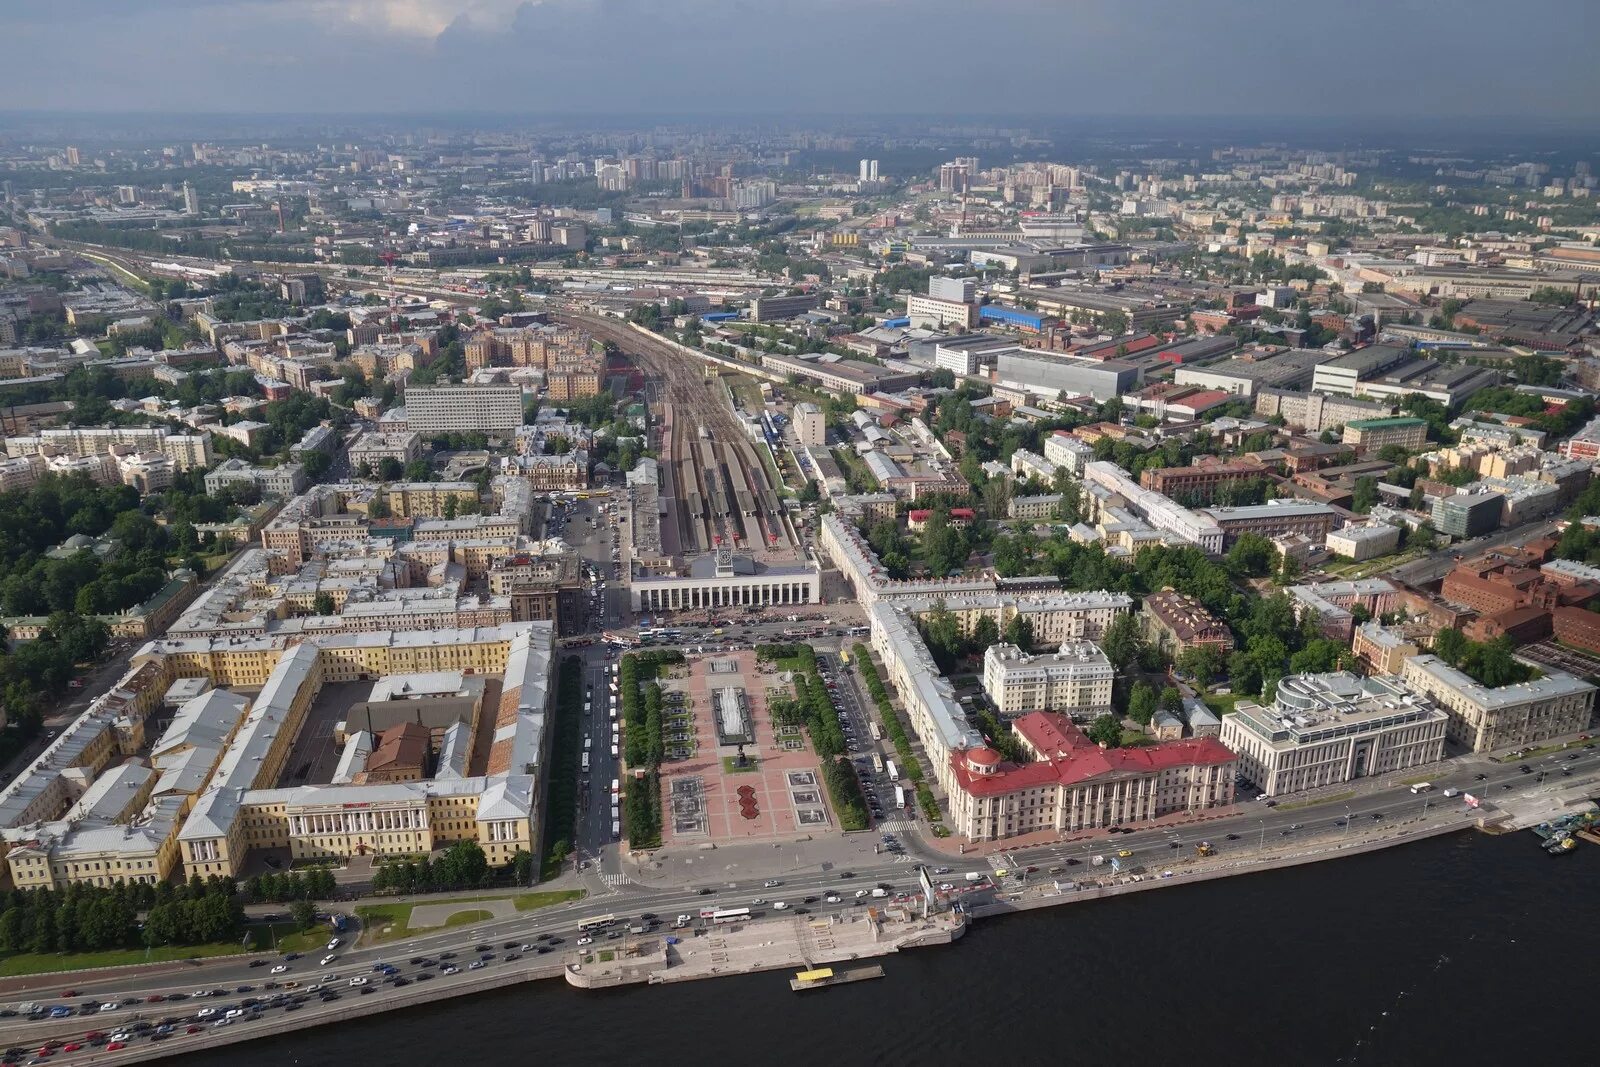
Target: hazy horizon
x,y
1390,60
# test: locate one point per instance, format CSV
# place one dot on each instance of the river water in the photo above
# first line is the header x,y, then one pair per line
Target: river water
x,y
1456,950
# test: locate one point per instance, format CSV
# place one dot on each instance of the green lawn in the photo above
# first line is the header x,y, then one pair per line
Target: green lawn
x,y
288,938
1221,703
467,918
384,922
730,765
1136,739
45,962
390,922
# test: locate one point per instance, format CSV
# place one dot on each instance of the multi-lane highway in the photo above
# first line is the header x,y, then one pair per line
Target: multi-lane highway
x,y
513,944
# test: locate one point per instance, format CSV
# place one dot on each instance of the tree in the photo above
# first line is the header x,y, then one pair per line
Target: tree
x,y
1070,509
1122,642
1450,646
1365,494
390,469
944,546
1252,555
996,494
985,633
1142,704
1171,699
1019,631
322,604
1201,662
304,914
1106,731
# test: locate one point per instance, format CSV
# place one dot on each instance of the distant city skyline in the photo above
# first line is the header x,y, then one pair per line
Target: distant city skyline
x,y
1231,58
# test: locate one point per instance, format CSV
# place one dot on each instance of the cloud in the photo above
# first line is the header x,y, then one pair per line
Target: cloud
x,y
999,57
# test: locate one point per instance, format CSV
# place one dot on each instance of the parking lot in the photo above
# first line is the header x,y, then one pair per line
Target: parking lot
x,y
315,755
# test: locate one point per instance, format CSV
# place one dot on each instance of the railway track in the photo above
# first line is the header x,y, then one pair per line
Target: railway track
x,y
720,483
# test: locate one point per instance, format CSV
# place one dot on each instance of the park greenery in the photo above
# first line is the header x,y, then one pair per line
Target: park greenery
x,y
813,707
86,918
561,807
314,883
461,866
643,751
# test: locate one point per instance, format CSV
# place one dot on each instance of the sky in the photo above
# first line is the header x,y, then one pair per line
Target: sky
x,y
1231,58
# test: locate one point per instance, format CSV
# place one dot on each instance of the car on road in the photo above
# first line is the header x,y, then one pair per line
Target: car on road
x,y
1124,852
779,905
771,883
280,968
475,965
585,940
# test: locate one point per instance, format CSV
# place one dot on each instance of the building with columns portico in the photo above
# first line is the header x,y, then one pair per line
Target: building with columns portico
x,y
727,580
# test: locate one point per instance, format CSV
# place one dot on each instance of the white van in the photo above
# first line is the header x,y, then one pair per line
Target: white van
x,y
1452,792
1422,787
586,763
616,830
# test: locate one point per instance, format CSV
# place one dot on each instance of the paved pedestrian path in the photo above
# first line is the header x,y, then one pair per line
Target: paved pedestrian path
x,y
428,916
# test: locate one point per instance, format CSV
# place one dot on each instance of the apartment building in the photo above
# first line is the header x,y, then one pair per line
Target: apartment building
x,y
375,446
1075,679
1175,622
810,426
1200,483
1316,412
1065,450
284,480
932,313
567,385
1276,518
1070,784
491,408
1509,716
1327,729
1376,434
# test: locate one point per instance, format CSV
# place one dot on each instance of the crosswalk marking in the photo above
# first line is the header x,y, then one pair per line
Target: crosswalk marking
x,y
616,881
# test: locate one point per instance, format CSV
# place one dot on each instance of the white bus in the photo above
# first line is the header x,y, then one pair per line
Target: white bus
x,y
599,922
899,796
586,763
877,731
894,772
722,916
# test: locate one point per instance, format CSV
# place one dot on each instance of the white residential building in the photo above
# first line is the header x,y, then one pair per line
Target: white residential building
x,y
1075,679
1510,716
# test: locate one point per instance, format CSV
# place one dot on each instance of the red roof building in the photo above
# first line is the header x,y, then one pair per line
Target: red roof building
x,y
1070,783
